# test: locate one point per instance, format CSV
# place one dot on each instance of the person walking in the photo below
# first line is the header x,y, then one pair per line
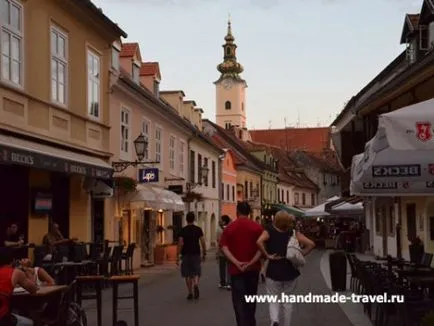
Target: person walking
x,y
281,274
222,260
238,243
190,242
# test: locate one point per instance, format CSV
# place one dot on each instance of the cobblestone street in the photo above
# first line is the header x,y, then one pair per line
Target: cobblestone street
x,y
162,301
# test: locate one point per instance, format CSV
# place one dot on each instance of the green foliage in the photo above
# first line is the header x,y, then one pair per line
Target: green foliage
x,y
125,184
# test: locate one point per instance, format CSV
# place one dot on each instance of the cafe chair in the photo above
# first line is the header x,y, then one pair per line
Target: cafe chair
x,y
127,259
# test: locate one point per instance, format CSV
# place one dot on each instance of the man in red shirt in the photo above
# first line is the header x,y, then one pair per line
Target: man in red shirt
x,y
238,243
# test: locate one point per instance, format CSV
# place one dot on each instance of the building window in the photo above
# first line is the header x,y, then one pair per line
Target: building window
x,y
192,165
227,192
59,65
136,73
156,88
228,51
223,191
287,197
278,195
213,174
172,153
115,58
11,41
205,163
233,193
125,130
158,138
251,188
199,170
312,199
246,187
228,125
303,199
181,158
228,105
296,198
93,84
146,126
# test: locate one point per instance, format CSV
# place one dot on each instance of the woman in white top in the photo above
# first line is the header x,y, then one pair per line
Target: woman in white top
x,y
36,274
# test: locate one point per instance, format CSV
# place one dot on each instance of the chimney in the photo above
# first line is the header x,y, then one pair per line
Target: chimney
x,y
198,118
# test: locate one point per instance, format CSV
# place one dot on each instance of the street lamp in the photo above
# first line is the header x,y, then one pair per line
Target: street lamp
x,y
141,147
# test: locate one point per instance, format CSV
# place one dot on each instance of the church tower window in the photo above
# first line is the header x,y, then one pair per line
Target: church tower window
x,y
228,105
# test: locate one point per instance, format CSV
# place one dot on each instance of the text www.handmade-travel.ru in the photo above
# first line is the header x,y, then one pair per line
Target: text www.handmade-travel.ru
x,y
319,298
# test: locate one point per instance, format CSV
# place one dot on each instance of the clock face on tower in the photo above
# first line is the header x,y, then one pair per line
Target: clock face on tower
x,y
227,83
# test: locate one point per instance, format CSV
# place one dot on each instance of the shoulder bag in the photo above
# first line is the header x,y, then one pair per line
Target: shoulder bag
x,y
293,252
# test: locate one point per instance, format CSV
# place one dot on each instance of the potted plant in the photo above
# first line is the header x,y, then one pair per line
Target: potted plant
x,y
160,229
125,184
171,252
159,254
192,196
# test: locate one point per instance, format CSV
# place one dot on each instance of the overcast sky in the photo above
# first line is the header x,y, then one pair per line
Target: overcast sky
x,y
303,59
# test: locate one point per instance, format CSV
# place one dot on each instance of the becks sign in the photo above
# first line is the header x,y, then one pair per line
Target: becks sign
x,y
381,171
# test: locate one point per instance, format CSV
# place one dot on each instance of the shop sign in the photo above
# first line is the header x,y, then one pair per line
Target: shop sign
x,y
385,171
10,155
148,175
380,185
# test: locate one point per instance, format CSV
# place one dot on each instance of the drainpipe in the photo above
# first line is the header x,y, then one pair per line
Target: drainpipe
x,y
188,169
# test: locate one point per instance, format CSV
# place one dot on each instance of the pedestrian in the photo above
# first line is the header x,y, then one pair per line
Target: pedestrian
x,y
190,242
221,258
238,243
281,274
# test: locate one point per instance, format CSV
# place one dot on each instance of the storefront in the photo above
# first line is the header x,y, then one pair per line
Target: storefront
x,y
41,182
396,173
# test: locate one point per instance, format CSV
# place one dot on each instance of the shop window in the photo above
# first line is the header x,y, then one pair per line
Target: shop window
x,y
391,221
431,227
378,217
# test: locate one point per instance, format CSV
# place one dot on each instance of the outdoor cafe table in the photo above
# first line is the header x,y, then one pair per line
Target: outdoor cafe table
x,y
43,291
29,304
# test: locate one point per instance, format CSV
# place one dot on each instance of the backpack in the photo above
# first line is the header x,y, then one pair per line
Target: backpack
x,y
76,315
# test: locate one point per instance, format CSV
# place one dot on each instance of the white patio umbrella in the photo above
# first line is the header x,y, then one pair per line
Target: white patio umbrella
x,y
319,210
410,128
385,171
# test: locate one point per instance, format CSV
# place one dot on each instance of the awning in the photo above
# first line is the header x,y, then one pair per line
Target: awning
x,y
383,171
319,210
346,208
23,152
289,209
410,128
156,198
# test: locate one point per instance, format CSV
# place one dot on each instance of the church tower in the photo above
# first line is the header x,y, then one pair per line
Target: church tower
x,y
230,87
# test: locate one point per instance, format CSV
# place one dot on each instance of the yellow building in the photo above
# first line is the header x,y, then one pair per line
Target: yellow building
x,y
54,130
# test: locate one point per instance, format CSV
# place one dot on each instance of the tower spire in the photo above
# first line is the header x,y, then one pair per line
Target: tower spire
x,y
230,67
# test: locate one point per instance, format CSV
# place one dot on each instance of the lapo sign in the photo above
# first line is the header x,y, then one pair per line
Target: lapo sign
x,y
149,175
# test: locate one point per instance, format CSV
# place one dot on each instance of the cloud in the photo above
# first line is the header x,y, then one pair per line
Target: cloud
x,y
264,4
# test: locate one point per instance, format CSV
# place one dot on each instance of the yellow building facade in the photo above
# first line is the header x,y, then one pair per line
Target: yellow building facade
x,y
54,116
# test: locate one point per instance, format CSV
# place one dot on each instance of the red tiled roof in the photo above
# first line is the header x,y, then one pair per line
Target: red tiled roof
x,y
129,50
309,139
326,160
150,69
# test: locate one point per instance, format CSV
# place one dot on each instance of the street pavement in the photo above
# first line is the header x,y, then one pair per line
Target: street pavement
x,y
162,300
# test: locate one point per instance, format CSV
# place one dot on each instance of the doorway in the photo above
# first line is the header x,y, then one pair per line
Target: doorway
x,y
97,211
14,199
60,211
411,221
384,230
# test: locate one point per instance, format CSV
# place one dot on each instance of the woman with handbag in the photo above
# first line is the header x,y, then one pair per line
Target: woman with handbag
x,y
280,243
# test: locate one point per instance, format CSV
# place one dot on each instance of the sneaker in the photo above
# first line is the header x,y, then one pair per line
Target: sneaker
x,y
196,292
190,297
228,287
275,323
